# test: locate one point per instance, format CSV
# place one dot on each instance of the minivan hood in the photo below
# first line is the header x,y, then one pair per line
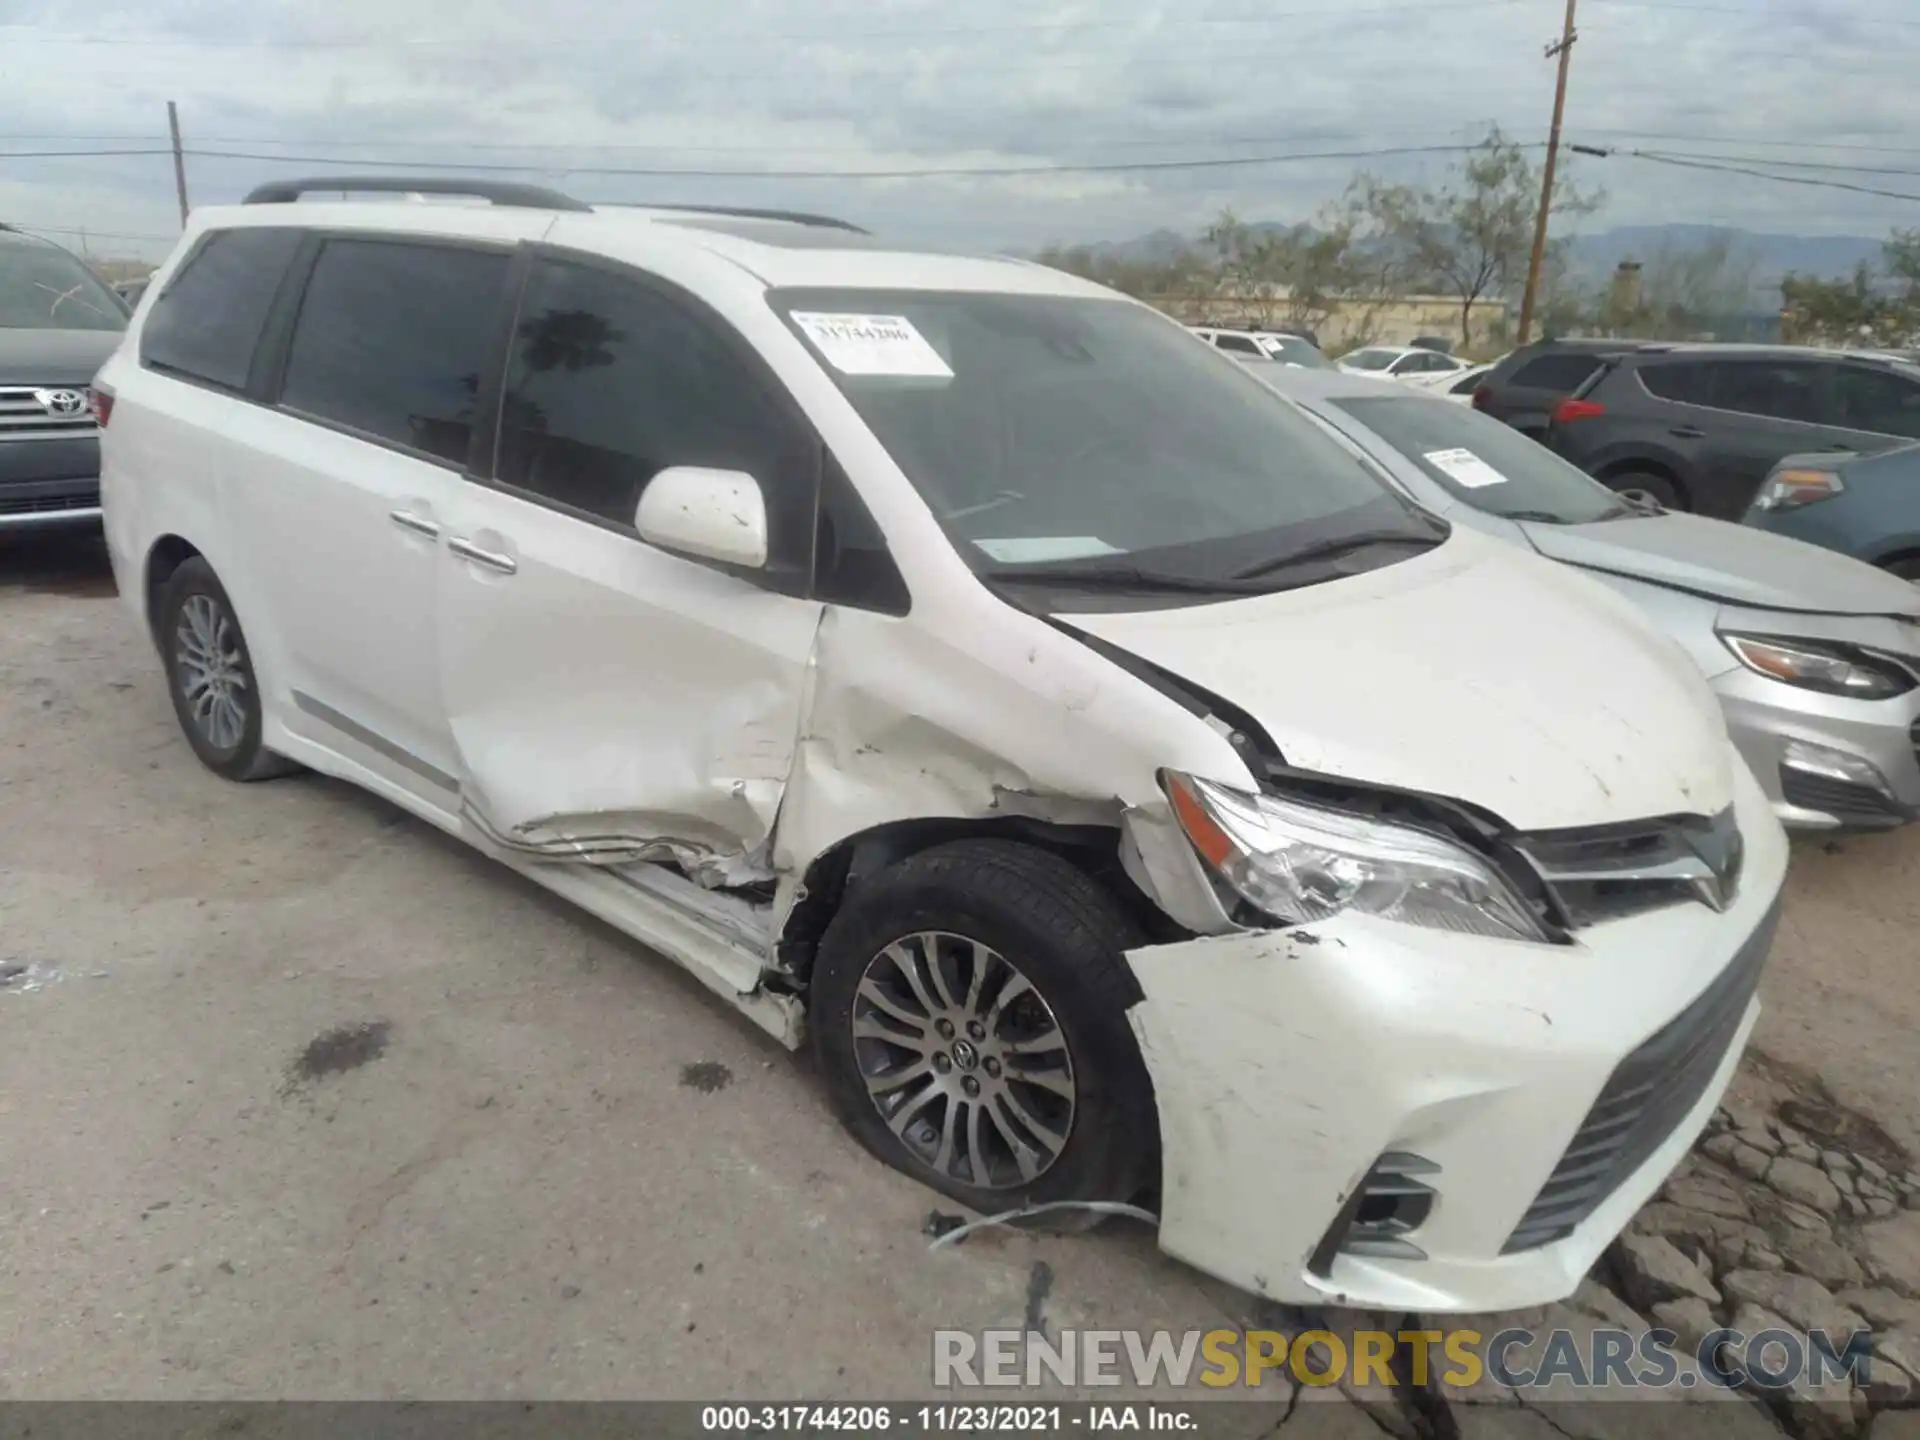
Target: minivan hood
x,y
1724,561
1476,672
55,357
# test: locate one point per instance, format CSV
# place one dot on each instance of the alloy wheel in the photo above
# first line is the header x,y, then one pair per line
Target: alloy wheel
x,y
964,1059
212,674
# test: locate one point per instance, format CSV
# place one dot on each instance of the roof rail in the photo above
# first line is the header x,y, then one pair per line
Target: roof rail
x,y
792,217
499,192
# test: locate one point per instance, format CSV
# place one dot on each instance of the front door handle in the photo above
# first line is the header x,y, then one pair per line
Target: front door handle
x,y
490,559
419,525
1687,432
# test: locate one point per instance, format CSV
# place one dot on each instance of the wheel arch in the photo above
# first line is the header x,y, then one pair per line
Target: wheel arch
x,y
166,555
832,876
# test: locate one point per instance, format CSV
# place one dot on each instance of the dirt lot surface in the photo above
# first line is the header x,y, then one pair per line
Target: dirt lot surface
x,y
298,1097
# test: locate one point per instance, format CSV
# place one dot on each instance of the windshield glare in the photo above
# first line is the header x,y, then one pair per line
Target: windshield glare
x,y
44,288
1483,463
1044,429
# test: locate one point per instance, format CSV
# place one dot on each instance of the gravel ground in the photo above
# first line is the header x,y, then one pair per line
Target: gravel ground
x,y
298,1097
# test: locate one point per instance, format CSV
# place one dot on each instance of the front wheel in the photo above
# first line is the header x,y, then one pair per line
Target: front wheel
x,y
1907,567
969,1012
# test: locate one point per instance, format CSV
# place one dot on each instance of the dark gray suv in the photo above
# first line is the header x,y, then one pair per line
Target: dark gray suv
x,y
58,324
1698,427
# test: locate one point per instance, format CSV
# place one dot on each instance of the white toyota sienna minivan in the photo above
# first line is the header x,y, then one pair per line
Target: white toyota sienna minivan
x,y
946,659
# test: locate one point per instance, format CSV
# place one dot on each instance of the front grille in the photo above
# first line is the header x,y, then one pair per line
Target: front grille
x,y
1846,801
1647,1095
1614,871
23,415
87,499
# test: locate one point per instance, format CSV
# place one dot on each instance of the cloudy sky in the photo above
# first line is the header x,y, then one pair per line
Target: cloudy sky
x,y
1109,102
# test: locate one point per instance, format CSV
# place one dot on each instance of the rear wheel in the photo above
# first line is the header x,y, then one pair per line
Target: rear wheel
x,y
969,1012
210,676
1646,485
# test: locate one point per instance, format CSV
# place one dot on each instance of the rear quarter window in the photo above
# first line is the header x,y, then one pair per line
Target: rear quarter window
x,y
206,323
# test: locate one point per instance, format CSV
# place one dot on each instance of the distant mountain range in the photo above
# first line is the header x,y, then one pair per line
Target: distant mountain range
x,y
1597,254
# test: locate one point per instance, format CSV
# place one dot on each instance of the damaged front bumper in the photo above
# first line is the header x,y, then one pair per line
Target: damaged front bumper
x,y
1372,1115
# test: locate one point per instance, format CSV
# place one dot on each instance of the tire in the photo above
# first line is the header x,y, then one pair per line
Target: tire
x,y
1650,483
1043,920
197,619
1907,567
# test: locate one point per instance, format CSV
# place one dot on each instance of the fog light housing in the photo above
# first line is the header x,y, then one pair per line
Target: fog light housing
x,y
1830,764
1391,1203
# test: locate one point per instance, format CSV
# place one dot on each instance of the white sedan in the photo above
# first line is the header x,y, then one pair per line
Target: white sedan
x,y
1401,362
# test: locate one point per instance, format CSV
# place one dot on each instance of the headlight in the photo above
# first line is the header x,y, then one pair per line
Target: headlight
x,y
1299,863
1832,670
1790,489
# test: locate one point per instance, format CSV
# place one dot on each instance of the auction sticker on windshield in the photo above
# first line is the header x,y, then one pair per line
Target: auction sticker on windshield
x,y
1465,467
872,344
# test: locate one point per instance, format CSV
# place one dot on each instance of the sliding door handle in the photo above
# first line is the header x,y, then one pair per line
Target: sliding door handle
x,y
418,524
488,559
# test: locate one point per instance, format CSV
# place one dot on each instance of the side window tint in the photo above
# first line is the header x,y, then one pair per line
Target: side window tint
x,y
1877,401
1688,383
391,340
1778,391
1563,374
207,322
611,382
1239,344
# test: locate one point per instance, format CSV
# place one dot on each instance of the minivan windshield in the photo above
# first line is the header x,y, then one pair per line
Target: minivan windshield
x,y
42,287
1482,462
1084,438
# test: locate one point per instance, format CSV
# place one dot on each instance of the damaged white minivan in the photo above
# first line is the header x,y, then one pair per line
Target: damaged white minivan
x,y
1131,794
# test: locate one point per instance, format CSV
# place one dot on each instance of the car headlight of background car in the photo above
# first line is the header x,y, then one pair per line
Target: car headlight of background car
x,y
1298,863
1790,489
1830,669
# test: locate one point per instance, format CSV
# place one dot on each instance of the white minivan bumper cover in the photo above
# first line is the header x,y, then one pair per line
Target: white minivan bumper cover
x,y
1286,1062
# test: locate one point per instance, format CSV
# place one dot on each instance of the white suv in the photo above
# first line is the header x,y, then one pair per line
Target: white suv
x,y
1129,791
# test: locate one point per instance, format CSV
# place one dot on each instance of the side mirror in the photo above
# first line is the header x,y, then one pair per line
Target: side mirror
x,y
717,515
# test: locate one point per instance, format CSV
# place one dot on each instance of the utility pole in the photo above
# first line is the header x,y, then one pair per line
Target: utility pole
x,y
180,162
1563,49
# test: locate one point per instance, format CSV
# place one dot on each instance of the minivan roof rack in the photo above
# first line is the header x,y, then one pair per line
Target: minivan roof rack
x,y
499,192
738,212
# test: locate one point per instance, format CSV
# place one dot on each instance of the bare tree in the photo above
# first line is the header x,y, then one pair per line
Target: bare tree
x,y
1471,235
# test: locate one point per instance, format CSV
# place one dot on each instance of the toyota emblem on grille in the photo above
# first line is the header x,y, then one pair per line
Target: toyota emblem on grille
x,y
62,402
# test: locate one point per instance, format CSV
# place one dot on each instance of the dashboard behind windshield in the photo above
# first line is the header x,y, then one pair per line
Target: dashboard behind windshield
x,y
44,288
1483,463
1054,429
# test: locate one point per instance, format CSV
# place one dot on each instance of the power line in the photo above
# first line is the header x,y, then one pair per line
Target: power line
x,y
924,172
630,147
1690,163
1796,164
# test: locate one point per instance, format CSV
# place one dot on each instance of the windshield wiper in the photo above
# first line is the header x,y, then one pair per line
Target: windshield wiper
x,y
1121,577
1333,549
1543,517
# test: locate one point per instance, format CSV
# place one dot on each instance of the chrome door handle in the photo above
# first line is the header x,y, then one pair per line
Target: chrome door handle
x,y
407,520
491,559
